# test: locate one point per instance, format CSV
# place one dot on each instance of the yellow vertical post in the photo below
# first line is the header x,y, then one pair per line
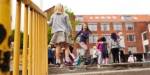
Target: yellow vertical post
x,y
33,44
5,27
35,47
45,47
30,43
17,39
42,39
39,52
46,43
25,43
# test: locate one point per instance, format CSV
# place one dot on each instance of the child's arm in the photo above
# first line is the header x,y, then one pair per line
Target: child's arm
x,y
77,35
50,21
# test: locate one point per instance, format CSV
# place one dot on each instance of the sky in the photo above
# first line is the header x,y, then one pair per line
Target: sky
x,y
85,7
93,7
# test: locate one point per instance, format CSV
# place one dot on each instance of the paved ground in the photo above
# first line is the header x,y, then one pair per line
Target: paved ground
x,y
142,68
136,71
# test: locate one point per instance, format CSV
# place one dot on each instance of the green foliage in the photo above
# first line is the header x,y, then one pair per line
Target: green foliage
x,y
21,38
49,34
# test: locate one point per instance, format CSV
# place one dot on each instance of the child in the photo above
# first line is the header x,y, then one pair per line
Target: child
x,y
94,55
99,51
51,55
61,29
84,36
131,58
114,44
104,50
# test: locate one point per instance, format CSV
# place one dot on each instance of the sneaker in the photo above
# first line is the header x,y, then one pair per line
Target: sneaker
x,y
58,64
68,63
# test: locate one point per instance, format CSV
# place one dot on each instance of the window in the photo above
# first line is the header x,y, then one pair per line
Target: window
x,y
93,38
129,26
133,49
131,37
105,27
145,36
79,18
117,26
126,17
78,27
92,26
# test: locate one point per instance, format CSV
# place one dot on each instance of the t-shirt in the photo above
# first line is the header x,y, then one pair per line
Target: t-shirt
x,y
84,36
114,44
102,46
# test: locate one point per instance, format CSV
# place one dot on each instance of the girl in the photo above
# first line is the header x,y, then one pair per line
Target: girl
x,y
99,52
60,29
84,36
114,44
94,55
104,50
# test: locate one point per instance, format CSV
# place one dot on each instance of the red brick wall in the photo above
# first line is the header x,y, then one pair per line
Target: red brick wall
x,y
140,26
138,29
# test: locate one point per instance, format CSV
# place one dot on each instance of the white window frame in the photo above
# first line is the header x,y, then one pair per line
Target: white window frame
x,y
133,39
117,26
105,27
129,24
93,38
92,26
79,18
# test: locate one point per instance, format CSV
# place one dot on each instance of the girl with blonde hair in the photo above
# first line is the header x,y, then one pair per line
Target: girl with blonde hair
x,y
61,29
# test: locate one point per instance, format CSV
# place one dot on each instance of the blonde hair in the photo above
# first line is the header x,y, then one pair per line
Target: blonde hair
x,y
59,8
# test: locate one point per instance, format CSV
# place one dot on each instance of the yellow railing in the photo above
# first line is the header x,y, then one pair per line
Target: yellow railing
x,y
35,47
5,21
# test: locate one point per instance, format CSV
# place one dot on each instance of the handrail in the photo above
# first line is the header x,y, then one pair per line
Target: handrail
x,y
34,6
34,21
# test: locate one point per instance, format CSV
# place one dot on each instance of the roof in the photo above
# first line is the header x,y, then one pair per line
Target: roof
x,y
113,18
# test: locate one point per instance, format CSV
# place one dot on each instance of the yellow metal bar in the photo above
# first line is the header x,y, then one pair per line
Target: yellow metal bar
x,y
37,9
43,50
46,45
39,55
36,68
5,28
17,40
30,42
25,43
33,45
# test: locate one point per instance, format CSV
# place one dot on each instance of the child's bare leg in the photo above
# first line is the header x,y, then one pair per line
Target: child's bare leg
x,y
66,52
58,48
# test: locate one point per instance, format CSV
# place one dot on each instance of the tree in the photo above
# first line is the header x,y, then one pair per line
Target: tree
x,y
49,34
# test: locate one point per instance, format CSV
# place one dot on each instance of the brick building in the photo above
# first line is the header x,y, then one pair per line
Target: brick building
x,y
133,28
